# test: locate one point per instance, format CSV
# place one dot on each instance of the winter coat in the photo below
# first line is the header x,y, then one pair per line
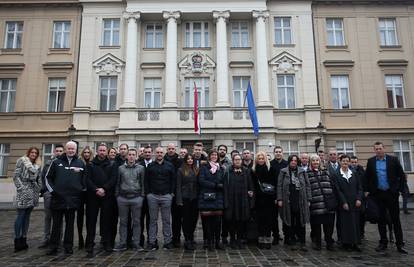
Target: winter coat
x,y
226,162
160,178
174,160
304,195
187,186
28,183
102,174
130,182
275,167
321,185
66,182
211,183
263,175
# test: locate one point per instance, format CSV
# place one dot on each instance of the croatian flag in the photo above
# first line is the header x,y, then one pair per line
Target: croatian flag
x,y
197,128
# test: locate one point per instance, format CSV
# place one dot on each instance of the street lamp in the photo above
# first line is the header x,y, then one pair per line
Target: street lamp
x,y
318,141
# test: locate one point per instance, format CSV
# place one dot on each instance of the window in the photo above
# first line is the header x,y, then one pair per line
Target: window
x,y
152,93
108,144
345,147
152,144
240,34
335,31
47,152
289,147
110,32
14,33
283,30
242,145
196,34
395,91
61,34
153,35
286,91
340,91
240,84
7,94
4,158
388,32
57,87
203,92
108,90
402,150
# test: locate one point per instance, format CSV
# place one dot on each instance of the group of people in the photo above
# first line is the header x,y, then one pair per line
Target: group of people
x,y
128,188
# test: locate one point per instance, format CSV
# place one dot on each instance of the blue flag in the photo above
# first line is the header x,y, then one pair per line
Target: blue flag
x,y
252,110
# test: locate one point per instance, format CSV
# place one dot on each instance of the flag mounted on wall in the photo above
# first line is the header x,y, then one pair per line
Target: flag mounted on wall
x,y
252,110
197,129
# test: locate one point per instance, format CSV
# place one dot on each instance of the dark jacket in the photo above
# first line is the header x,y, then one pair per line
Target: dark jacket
x,y
348,190
66,182
102,174
331,169
160,179
395,173
321,185
45,169
200,161
187,186
276,166
119,161
263,175
174,160
210,183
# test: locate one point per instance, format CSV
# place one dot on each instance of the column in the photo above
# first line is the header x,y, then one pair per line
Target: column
x,y
171,59
130,89
262,70
222,58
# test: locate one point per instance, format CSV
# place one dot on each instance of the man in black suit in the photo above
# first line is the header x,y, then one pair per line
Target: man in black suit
x,y
384,180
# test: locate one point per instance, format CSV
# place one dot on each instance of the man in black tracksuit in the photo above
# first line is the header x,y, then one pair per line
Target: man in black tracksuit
x,y
102,175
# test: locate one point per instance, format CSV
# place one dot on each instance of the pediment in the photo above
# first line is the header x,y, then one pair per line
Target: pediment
x,y
285,62
196,63
108,64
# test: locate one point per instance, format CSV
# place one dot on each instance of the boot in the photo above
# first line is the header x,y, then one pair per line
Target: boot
x,y
218,245
24,243
81,243
210,245
17,245
268,242
261,242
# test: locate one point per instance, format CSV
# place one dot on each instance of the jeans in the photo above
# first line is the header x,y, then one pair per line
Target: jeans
x,y
155,204
125,207
21,225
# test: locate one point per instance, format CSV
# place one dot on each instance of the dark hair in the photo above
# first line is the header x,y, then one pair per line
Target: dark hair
x,y
234,152
218,148
290,158
124,144
30,150
59,145
354,157
236,155
321,151
277,147
148,147
344,156
186,168
212,151
133,149
198,144
378,143
103,144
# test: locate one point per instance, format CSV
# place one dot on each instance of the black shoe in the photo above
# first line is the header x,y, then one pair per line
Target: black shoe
x,y
219,246
381,248
407,212
24,243
261,245
188,245
68,251
356,248
89,255
303,248
153,247
176,244
108,249
81,243
18,246
205,244
120,248
330,247
224,241
317,247
401,250
44,245
233,244
52,252
168,246
275,241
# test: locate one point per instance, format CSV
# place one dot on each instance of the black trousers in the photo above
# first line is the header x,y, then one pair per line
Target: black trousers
x,y
80,216
295,229
190,217
328,228
267,220
275,222
57,222
212,228
238,230
176,221
105,206
388,203
224,229
145,221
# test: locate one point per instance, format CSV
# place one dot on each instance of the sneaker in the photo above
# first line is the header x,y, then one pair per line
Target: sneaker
x,y
120,247
68,251
153,247
168,246
52,252
381,248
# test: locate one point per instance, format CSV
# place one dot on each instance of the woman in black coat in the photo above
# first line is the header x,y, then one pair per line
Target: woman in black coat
x,y
265,188
349,192
238,191
211,200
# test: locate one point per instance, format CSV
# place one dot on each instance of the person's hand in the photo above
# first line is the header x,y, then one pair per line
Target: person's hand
x,y
309,204
100,192
345,206
366,194
280,203
250,193
180,204
358,203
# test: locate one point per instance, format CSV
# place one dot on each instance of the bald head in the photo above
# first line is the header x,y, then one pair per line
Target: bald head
x,y
171,150
159,153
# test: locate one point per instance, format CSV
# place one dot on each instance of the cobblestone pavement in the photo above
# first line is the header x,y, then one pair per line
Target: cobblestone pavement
x,y
277,256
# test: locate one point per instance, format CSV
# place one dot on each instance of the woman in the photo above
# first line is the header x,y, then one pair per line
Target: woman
x,y
86,155
28,184
293,199
349,190
112,153
187,198
322,213
238,191
211,200
265,185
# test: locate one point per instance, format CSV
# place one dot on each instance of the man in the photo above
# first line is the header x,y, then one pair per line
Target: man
x,y
183,152
332,165
358,170
145,220
129,192
385,179
247,159
140,154
121,158
199,157
276,165
159,188
321,155
223,159
47,197
102,176
304,161
176,211
65,181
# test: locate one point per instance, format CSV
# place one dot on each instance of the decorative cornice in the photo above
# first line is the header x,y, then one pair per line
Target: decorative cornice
x,y
12,66
153,65
108,64
241,64
338,63
392,63
57,65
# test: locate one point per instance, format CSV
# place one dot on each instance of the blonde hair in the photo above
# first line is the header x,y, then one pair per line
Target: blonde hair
x,y
264,154
91,153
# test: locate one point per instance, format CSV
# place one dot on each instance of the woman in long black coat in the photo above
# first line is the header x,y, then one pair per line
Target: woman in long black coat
x,y
349,190
238,194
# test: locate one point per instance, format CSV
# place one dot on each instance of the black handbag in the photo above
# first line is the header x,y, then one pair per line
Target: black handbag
x,y
266,188
331,201
209,196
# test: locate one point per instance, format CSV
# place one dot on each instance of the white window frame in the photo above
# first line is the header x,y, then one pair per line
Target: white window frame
x,y
285,87
11,94
60,94
189,34
336,32
238,88
239,32
108,91
15,33
4,158
112,31
203,87
47,154
244,146
393,86
388,31
345,149
399,153
155,33
283,29
287,148
339,79
152,89
63,33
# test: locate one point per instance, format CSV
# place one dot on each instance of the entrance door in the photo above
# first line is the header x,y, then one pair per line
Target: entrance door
x,y
207,144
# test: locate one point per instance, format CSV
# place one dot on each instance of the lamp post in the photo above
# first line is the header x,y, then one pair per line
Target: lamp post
x,y
319,140
71,134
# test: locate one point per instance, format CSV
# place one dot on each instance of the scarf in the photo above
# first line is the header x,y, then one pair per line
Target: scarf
x,y
294,178
214,167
